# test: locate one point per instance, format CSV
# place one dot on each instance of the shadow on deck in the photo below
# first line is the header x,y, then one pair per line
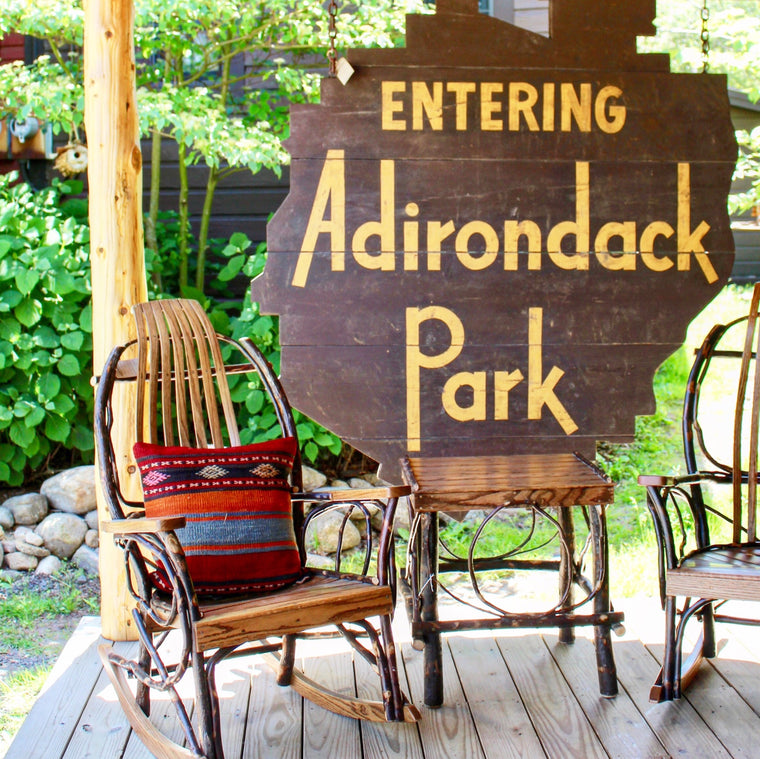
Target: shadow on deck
x,y
520,694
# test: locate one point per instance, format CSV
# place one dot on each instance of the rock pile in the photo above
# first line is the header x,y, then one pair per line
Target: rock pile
x,y
38,530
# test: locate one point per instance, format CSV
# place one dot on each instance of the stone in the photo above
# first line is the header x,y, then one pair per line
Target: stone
x,y
401,522
323,532
23,547
21,562
48,566
92,539
27,535
72,491
357,483
2,556
27,508
9,545
339,485
6,518
312,479
91,517
86,558
319,562
63,533
10,575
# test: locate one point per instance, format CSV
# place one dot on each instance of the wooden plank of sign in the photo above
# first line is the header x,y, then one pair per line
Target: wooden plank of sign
x,y
543,192
619,320
345,121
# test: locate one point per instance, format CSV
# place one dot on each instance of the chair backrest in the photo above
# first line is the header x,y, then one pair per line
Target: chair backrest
x,y
183,395
727,359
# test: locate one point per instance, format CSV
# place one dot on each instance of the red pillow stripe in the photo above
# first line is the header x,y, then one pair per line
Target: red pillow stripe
x,y
238,535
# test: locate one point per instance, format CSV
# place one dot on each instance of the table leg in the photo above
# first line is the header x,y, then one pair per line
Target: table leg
x,y
566,568
433,658
605,661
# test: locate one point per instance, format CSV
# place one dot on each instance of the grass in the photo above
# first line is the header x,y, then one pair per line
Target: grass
x,y
37,615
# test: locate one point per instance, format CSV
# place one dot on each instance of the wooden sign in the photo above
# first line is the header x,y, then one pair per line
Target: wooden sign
x,y
493,238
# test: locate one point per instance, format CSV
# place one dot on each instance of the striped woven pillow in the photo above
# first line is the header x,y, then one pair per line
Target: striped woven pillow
x,y
238,535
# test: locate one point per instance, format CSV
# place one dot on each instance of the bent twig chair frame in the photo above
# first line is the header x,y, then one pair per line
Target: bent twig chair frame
x,y
183,398
703,572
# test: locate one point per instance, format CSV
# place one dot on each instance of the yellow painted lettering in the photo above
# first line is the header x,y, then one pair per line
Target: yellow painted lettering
x,y
575,106
391,105
625,260
477,261
416,360
330,190
609,119
579,227
503,382
646,246
427,104
385,229
436,234
476,411
489,106
513,231
461,90
690,240
522,99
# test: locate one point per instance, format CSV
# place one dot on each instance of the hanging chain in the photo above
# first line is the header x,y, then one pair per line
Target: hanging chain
x,y
332,33
705,36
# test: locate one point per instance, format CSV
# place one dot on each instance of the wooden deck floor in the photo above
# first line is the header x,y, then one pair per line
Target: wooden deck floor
x,y
521,694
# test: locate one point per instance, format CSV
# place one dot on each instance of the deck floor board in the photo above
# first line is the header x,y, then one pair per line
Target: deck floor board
x,y
508,695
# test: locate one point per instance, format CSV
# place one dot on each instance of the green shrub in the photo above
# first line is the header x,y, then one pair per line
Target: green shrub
x,y
45,327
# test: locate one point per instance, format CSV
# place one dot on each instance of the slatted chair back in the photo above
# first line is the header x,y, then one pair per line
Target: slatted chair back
x,y
730,457
180,371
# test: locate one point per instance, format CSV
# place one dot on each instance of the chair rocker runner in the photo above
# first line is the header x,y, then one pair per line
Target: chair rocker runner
x,y
707,571
213,508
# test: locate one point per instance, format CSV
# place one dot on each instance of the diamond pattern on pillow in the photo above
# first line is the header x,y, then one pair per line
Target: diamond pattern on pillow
x,y
238,535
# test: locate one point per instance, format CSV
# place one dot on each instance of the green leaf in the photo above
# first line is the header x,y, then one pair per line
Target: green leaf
x,y
82,439
311,451
72,340
85,318
305,431
48,386
63,404
232,269
36,416
69,366
26,280
57,428
5,472
10,299
240,240
28,312
21,435
5,246
254,402
46,337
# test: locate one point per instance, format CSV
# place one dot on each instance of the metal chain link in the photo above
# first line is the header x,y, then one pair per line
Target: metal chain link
x,y
332,33
705,36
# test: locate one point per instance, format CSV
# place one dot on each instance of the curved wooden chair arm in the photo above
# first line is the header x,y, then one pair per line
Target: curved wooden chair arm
x,y
340,495
134,526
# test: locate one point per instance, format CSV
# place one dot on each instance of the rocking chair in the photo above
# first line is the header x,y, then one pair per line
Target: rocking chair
x,y
708,547
216,549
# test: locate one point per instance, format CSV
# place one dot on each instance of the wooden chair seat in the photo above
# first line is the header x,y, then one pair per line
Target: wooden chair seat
x,y
313,603
718,572
476,482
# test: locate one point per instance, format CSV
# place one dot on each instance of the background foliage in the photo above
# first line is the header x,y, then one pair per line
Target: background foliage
x,y
45,327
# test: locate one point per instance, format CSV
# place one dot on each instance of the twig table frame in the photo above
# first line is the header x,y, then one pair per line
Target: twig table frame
x,y
547,486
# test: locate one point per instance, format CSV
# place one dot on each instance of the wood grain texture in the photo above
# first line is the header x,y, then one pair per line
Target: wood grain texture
x,y
116,244
446,732
620,726
440,180
317,602
503,724
327,735
47,730
557,717
729,572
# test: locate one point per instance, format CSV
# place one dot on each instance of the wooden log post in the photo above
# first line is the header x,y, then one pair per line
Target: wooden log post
x,y
117,255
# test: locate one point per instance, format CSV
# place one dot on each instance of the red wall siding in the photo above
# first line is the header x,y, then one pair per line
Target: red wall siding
x,y
12,48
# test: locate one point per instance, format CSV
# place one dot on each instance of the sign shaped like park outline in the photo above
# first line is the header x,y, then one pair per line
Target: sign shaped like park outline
x,y
493,238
